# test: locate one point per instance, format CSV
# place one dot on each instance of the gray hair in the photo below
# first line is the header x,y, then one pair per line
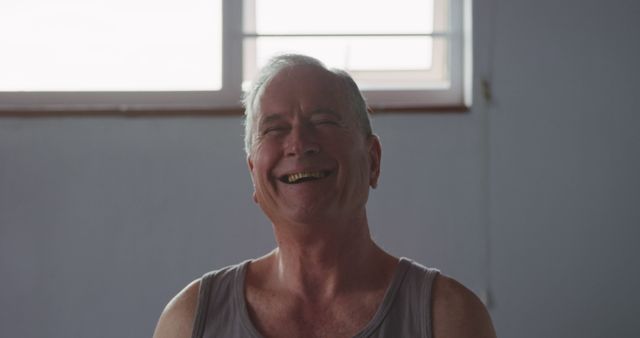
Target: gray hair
x,y
274,66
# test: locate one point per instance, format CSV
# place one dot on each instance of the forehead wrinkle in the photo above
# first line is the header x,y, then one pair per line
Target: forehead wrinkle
x,y
323,110
328,111
275,117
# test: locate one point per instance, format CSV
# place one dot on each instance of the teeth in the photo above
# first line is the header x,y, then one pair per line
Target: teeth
x,y
298,176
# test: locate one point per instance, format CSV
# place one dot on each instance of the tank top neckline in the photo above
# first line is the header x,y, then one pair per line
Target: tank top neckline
x,y
389,295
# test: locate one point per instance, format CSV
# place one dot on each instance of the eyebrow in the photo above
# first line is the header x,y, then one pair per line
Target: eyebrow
x,y
270,118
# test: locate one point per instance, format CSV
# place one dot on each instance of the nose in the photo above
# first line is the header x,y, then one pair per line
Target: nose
x,y
301,141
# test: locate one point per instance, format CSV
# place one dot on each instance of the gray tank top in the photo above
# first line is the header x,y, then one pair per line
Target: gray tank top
x,y
405,310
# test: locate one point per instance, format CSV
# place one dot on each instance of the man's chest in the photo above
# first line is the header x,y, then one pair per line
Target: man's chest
x,y
281,317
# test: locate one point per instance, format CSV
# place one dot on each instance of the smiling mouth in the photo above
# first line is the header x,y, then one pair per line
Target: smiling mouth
x,y
304,177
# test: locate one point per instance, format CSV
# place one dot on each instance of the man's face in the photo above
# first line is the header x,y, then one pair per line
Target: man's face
x,y
310,160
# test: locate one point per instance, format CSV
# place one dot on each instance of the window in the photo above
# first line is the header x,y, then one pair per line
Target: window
x,y
199,54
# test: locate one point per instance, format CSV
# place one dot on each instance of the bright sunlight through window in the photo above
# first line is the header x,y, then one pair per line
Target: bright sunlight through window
x,y
115,45
399,44
188,55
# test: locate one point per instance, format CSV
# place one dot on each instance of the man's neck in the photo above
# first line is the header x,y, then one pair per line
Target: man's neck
x,y
324,262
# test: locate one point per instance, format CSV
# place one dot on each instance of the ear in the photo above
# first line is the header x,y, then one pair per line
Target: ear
x,y
375,156
250,166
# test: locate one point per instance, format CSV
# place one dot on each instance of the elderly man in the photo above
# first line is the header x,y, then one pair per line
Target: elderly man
x,y
313,157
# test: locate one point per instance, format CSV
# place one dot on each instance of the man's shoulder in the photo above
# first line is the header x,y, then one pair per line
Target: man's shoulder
x,y
179,314
177,317
458,312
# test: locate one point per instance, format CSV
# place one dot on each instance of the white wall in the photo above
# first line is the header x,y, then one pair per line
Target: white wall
x,y
565,159
103,219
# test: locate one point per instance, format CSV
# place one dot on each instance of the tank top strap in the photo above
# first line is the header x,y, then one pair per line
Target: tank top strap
x,y
406,308
425,277
387,300
204,295
219,310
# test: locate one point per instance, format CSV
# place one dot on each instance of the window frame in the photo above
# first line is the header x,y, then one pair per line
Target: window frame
x,y
227,99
